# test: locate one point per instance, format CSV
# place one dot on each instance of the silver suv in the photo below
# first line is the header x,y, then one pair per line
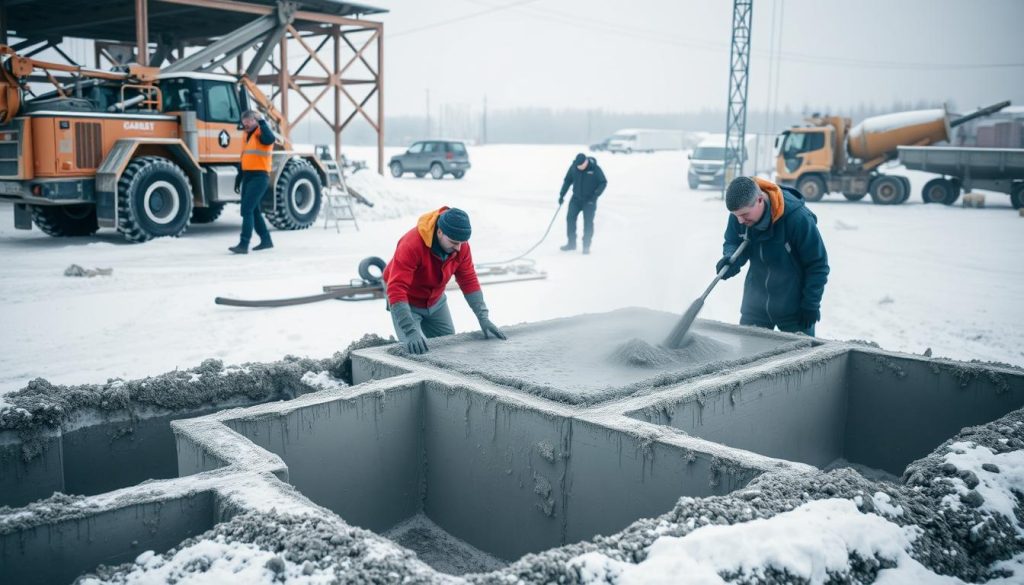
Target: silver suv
x,y
437,157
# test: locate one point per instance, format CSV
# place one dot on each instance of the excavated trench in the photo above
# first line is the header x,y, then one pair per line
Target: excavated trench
x,y
470,481
482,452
872,410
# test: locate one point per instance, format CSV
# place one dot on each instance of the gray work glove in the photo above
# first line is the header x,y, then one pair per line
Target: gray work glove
x,y
415,343
476,302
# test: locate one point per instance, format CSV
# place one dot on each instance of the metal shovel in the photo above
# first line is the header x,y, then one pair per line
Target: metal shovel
x,y
675,339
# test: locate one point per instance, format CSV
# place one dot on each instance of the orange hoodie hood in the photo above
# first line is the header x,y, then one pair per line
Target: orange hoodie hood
x,y
426,225
774,196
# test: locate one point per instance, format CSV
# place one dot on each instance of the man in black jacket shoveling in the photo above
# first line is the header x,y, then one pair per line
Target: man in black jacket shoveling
x,y
788,261
588,182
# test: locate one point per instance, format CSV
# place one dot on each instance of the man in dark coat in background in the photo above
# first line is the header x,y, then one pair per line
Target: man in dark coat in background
x,y
788,261
588,182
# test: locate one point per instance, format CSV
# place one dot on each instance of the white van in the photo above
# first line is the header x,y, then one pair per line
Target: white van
x,y
640,140
707,161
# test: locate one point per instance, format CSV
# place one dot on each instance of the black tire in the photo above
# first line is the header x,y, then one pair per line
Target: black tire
x,y
940,190
812,187
437,171
396,169
854,196
65,220
459,174
906,189
888,190
207,214
1017,195
154,200
420,174
694,184
297,196
372,262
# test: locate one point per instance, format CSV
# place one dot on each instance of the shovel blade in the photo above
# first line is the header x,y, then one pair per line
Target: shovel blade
x,y
675,339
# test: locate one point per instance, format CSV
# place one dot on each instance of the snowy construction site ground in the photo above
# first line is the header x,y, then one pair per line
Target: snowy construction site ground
x,y
908,277
500,446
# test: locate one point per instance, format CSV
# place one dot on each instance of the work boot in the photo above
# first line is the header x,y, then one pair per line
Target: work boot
x,y
239,249
263,245
568,247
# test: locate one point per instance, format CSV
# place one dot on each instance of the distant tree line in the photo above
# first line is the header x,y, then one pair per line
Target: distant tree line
x,y
572,126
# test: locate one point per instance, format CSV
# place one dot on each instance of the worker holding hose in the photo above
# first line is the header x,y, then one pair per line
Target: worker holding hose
x,y
588,182
425,260
788,261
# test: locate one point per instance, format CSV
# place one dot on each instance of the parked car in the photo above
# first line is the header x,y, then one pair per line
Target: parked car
x,y
437,157
600,146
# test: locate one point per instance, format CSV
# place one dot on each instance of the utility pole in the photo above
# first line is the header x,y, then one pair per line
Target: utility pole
x,y
483,138
736,117
427,135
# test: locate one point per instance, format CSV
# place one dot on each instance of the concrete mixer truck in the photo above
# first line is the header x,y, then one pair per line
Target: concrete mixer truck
x,y
830,156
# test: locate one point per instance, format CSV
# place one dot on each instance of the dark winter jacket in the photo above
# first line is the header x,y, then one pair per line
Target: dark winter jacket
x,y
586,185
788,261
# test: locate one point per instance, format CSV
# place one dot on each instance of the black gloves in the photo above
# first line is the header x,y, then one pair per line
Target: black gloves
x,y
476,302
733,270
414,341
808,317
238,182
561,199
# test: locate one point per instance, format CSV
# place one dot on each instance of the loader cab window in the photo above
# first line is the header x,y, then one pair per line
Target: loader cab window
x,y
180,95
797,143
221,102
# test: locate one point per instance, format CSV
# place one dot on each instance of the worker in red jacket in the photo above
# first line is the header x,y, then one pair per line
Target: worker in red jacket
x,y
425,260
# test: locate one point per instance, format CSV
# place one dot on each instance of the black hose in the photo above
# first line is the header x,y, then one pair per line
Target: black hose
x,y
532,248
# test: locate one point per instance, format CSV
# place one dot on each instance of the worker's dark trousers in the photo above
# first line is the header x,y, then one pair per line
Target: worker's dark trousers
x,y
787,326
254,187
433,321
588,209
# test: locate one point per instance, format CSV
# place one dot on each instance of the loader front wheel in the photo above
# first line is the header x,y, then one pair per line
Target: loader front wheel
x,y
297,196
65,220
154,200
207,214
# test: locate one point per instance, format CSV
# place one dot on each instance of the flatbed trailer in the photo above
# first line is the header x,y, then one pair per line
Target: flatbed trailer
x,y
966,168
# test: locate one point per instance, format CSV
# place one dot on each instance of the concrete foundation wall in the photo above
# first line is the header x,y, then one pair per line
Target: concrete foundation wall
x,y
900,408
488,481
615,478
23,481
360,457
110,454
798,416
59,552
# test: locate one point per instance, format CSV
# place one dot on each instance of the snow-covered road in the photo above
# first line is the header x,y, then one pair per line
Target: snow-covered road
x,y
908,277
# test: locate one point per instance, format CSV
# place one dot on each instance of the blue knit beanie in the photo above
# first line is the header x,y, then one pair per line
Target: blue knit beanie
x,y
454,223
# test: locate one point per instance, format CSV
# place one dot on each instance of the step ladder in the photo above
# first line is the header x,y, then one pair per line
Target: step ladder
x,y
338,204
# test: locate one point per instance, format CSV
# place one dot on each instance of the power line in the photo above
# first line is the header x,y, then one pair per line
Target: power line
x,y
585,22
469,16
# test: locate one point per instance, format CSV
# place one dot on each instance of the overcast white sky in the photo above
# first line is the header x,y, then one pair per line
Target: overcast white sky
x,y
673,55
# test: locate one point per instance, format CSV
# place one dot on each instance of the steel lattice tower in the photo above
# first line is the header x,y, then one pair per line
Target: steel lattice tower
x,y
739,64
